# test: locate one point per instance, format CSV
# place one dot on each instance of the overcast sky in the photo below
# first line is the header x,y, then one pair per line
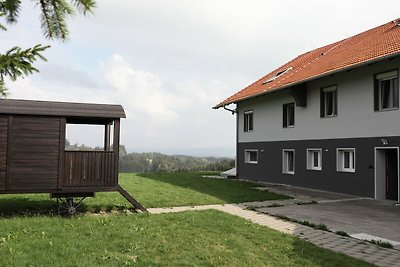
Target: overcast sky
x,y
169,61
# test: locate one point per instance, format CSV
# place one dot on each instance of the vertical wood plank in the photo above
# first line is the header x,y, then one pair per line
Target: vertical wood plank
x,y
3,150
9,150
61,154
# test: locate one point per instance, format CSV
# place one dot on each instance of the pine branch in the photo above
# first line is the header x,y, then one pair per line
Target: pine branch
x,y
45,21
17,62
55,12
3,89
10,8
2,27
61,10
84,6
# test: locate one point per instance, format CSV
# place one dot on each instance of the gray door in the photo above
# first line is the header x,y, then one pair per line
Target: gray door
x,y
391,174
387,173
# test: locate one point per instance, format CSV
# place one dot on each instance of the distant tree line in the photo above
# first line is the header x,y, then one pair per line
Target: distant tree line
x,y
157,162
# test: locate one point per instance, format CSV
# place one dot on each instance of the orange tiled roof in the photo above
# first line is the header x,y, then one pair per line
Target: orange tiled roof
x,y
368,46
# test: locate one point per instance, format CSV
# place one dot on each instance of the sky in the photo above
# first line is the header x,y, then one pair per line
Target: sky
x,y
168,62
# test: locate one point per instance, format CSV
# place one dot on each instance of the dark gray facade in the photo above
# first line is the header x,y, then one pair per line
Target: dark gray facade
x,y
361,182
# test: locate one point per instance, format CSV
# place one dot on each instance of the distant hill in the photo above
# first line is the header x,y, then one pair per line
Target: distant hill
x,y
195,152
155,162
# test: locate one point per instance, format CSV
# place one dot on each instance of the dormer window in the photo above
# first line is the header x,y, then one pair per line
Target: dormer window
x,y
278,74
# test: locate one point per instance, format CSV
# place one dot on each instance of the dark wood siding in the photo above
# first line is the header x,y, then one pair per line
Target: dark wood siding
x,y
89,168
3,150
33,153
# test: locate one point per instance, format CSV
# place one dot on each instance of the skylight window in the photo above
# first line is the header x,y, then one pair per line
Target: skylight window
x,y
278,74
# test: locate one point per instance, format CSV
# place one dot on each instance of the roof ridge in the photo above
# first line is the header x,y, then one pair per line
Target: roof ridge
x,y
367,46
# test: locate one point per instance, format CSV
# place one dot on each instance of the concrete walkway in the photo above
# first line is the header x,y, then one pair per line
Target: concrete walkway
x,y
352,247
362,218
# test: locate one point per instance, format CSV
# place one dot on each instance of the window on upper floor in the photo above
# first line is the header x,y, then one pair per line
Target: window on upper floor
x,y
386,91
345,159
314,159
328,102
288,161
288,115
251,156
248,121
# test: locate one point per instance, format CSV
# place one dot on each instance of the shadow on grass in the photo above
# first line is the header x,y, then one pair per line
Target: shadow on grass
x,y
11,206
229,191
30,205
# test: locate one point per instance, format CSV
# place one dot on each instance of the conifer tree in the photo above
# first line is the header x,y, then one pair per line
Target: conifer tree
x,y
18,62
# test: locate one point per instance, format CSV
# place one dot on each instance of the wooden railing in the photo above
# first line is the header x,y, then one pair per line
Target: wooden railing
x,y
89,169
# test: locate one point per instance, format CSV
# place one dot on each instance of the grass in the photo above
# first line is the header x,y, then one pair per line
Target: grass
x,y
202,238
319,226
380,243
190,188
342,233
151,190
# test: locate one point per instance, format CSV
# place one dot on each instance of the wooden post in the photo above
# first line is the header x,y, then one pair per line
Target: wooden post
x,y
133,201
116,149
107,137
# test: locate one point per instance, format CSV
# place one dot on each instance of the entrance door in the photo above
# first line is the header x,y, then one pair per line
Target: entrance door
x,y
391,174
387,173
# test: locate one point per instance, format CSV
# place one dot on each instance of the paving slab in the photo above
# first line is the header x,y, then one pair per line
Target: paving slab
x,y
358,217
305,194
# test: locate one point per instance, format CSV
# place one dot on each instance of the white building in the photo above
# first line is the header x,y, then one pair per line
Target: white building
x,y
329,119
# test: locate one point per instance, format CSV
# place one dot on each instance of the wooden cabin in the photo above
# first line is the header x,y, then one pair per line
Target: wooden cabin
x,y
33,158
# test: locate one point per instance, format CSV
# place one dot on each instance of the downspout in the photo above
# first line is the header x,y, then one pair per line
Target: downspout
x,y
237,144
234,111
231,110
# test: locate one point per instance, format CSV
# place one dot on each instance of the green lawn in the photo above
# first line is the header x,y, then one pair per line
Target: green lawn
x,y
182,189
201,238
152,190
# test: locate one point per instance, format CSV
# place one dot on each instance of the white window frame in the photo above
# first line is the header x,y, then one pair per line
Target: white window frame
x,y
384,77
247,123
247,157
334,101
288,115
340,159
285,161
310,159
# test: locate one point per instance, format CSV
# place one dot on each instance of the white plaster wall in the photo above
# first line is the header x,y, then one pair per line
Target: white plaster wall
x,y
356,115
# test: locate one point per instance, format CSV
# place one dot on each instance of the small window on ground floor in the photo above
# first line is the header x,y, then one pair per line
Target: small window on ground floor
x,y
346,159
288,161
251,156
314,159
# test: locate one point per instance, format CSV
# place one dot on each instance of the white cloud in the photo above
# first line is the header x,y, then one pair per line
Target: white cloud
x,y
169,62
142,92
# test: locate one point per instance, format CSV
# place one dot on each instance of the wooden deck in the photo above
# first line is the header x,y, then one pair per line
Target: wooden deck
x,y
89,169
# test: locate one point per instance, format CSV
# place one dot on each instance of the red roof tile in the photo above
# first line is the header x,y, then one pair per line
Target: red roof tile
x,y
366,47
